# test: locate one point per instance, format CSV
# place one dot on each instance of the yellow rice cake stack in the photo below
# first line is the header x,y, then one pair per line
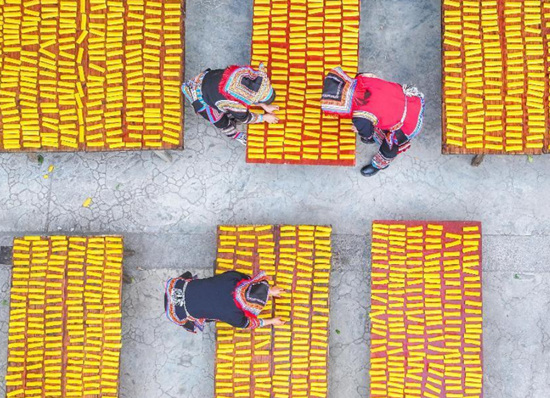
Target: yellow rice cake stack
x,y
90,75
283,361
300,41
426,310
495,76
65,317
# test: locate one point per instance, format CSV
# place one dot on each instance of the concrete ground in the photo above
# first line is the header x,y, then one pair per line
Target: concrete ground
x,y
168,212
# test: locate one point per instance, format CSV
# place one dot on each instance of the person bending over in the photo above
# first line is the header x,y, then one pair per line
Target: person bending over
x,y
224,98
231,297
387,113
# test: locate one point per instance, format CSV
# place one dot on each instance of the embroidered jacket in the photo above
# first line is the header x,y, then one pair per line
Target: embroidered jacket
x,y
223,102
251,296
384,105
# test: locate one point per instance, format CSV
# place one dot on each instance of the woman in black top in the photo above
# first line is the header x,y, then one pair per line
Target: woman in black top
x,y
224,97
231,297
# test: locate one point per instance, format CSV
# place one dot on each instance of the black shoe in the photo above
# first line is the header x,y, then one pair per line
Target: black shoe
x,y
187,275
369,170
367,141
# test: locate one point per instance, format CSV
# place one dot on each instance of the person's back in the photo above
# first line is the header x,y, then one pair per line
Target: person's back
x,y
388,103
212,298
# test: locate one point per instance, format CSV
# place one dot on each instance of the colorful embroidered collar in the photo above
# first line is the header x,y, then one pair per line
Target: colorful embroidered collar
x,y
251,295
246,85
338,91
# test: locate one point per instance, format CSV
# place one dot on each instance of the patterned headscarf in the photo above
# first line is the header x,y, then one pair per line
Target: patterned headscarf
x,y
338,91
246,85
251,295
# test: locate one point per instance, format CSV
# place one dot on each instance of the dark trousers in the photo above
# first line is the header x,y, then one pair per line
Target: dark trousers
x,y
225,122
386,154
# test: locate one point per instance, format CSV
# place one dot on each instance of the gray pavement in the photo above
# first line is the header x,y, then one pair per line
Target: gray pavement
x,y
168,212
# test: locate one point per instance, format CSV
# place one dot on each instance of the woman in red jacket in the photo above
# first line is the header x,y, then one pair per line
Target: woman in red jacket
x,y
383,112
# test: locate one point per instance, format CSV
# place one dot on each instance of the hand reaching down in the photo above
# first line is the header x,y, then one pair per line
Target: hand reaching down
x,y
271,118
270,108
276,291
274,322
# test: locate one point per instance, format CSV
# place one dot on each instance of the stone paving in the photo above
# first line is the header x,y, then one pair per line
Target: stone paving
x,y
168,209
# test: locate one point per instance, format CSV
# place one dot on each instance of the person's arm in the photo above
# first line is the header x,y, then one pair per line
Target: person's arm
x,y
274,322
269,108
255,323
276,291
248,117
241,114
254,118
238,112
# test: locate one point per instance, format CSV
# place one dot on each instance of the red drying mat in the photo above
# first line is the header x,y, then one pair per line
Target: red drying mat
x,y
97,85
299,42
65,316
492,104
289,359
426,309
